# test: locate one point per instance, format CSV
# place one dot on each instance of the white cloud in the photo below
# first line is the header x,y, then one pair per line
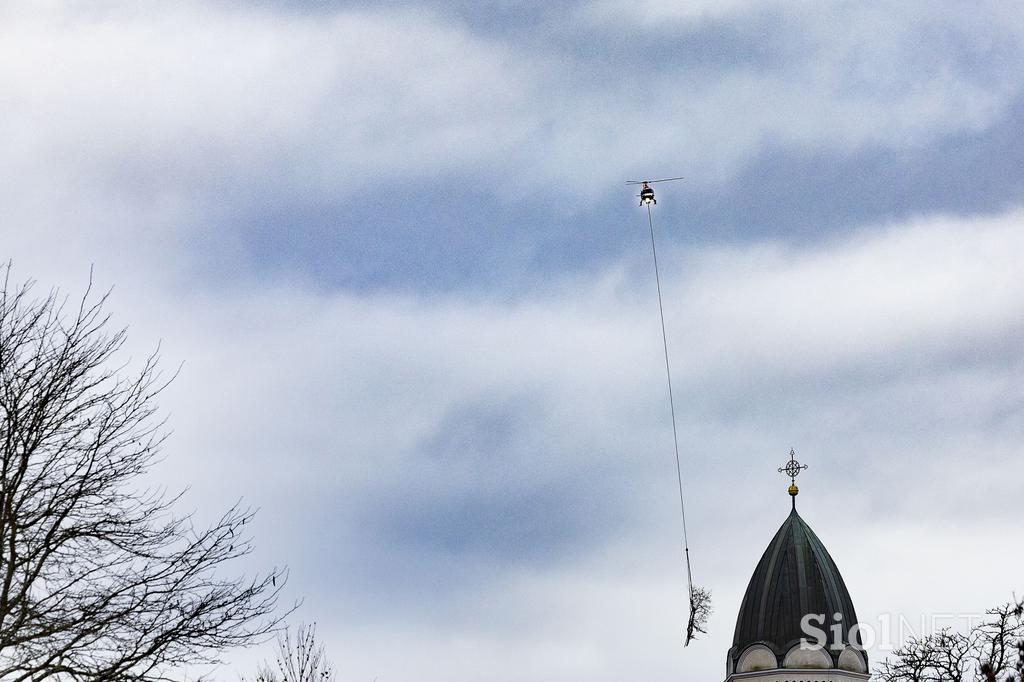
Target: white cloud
x,y
838,77
195,111
226,106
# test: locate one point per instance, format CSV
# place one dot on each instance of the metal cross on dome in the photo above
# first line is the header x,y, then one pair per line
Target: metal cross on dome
x,y
792,469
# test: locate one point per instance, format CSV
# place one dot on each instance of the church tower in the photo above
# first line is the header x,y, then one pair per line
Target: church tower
x,y
796,577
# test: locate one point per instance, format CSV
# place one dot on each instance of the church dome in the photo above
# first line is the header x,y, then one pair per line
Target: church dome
x,y
795,576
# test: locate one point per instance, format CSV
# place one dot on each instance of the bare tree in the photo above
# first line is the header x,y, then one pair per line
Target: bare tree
x,y
700,611
99,578
299,659
993,651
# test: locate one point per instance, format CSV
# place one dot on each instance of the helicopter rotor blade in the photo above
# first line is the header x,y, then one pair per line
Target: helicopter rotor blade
x,y
640,182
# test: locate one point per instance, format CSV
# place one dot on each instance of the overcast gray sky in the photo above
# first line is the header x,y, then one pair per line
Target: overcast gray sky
x,y
391,245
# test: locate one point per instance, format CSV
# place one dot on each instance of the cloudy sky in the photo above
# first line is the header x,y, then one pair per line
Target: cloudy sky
x,y
390,246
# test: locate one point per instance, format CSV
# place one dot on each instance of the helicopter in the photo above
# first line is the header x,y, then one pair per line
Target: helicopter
x,y
646,191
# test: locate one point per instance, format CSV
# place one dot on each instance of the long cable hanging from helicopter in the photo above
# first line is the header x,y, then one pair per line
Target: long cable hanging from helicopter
x,y
699,598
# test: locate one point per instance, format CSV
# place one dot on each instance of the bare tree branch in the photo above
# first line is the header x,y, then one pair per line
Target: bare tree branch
x,y
992,652
99,579
299,659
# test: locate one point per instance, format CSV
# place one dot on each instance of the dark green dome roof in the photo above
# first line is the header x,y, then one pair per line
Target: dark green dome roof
x,y
794,577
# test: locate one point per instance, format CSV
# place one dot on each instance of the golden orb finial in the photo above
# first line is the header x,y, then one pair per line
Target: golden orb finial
x,y
793,490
